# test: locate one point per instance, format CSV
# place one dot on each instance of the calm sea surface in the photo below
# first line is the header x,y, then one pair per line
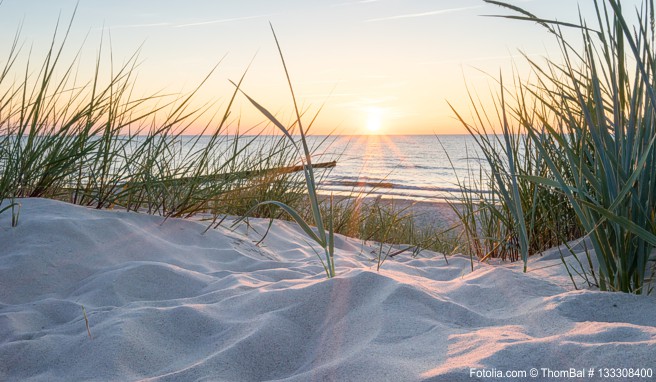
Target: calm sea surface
x,y
418,167
409,167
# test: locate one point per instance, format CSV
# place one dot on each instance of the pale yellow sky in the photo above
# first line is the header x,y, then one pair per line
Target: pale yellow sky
x,y
384,66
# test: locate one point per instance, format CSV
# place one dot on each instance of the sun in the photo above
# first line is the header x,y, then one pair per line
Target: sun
x,y
374,120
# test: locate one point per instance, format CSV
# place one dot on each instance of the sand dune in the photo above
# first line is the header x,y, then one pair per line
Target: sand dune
x,y
168,303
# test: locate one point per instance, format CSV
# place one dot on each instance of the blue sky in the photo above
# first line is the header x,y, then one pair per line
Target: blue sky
x,y
393,63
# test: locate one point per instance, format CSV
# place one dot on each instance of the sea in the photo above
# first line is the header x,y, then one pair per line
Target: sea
x,y
416,167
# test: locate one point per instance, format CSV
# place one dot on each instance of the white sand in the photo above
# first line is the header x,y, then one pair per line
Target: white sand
x,y
167,303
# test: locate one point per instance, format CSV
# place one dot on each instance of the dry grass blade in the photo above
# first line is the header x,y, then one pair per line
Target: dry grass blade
x,y
86,322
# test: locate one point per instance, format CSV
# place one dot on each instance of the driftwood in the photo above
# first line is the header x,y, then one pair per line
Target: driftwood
x,y
248,174
229,176
118,188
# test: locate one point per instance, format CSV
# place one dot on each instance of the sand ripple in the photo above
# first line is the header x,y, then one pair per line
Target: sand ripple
x,y
168,303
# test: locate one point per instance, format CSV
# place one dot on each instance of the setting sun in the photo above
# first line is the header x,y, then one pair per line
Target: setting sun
x,y
374,120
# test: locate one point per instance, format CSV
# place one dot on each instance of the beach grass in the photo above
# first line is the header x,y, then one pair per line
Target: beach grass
x,y
95,144
503,213
325,239
568,155
383,223
576,142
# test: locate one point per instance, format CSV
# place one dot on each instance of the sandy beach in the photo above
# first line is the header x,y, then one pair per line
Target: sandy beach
x,y
165,302
138,138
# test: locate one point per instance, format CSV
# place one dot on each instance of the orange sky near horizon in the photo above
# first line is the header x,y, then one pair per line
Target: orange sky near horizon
x,y
373,66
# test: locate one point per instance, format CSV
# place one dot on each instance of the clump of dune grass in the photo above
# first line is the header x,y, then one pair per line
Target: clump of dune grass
x,y
389,227
94,143
503,213
395,232
589,123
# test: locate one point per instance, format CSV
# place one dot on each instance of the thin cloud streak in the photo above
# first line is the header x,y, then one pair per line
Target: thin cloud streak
x,y
424,14
220,21
131,26
186,25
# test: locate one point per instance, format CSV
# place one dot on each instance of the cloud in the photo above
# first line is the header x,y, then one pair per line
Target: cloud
x,y
187,25
219,21
424,14
130,26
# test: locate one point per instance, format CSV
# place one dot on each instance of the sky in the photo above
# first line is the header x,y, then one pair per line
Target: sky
x,y
372,66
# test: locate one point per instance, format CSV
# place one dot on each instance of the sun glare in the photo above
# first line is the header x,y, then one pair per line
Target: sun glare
x,y
374,120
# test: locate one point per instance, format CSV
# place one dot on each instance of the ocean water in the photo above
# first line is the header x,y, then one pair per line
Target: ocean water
x,y
416,167
419,167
